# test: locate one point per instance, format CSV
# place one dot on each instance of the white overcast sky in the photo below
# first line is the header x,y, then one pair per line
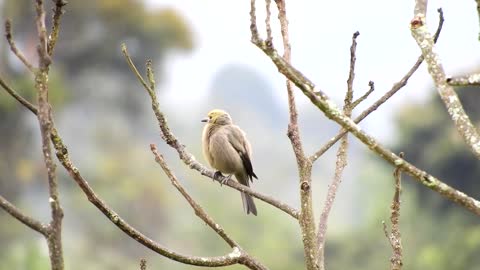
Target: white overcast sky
x,y
321,36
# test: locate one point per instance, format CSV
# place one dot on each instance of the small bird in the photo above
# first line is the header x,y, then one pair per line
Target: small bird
x,y
227,149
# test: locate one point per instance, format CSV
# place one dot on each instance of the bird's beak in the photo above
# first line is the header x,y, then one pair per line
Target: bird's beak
x,y
205,120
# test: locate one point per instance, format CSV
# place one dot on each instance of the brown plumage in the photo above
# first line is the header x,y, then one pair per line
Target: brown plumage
x,y
227,149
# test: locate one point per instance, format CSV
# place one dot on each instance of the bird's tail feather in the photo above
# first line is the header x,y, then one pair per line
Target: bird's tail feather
x,y
248,204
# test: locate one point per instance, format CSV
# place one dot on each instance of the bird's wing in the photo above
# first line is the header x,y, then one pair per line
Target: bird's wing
x,y
239,142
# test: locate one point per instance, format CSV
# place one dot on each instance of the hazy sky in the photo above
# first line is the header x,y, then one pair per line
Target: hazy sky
x,y
321,36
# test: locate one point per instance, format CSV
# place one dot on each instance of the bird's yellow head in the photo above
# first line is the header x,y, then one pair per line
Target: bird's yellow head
x,y
218,117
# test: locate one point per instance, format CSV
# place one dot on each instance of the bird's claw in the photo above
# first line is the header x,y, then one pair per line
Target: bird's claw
x,y
225,179
221,178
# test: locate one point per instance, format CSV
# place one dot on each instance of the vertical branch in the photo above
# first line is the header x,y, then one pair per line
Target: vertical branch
x,y
57,13
307,219
478,12
395,237
54,238
341,162
425,41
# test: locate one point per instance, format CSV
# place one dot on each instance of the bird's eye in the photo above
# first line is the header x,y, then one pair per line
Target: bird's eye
x,y
209,117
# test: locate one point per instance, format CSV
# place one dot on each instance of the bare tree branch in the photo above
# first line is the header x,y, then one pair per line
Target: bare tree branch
x,y
359,100
63,157
25,219
244,257
341,161
395,238
57,14
54,238
229,259
18,97
396,87
472,79
196,207
304,166
188,158
13,46
330,109
454,107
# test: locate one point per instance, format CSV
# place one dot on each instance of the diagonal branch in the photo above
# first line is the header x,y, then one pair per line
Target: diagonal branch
x,y
63,157
25,219
18,97
329,108
396,87
13,46
462,122
244,257
196,207
187,157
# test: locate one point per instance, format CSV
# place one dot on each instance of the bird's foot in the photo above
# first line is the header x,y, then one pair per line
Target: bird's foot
x,y
225,179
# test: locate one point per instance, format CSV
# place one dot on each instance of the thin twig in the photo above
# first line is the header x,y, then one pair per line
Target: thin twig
x,y
329,108
396,87
425,42
395,237
244,258
13,46
268,27
187,157
57,14
341,161
18,97
25,219
359,100
196,207
150,75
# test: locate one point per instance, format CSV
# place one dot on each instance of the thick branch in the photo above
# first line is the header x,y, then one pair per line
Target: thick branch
x,y
396,87
187,157
424,40
329,108
25,219
54,238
